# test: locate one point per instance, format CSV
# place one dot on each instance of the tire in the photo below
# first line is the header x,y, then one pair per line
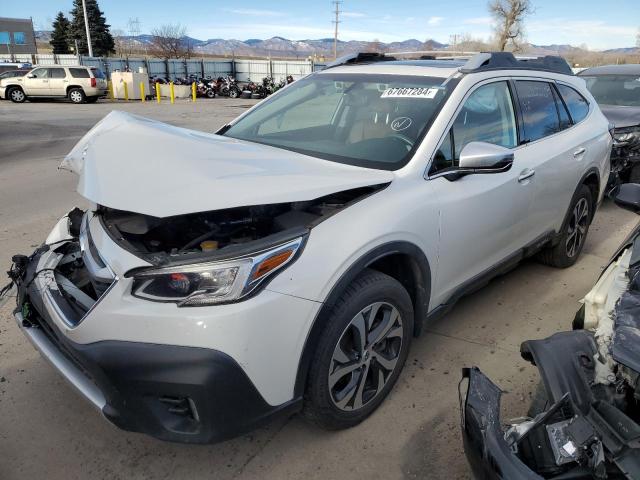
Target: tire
x,y
233,93
16,95
76,95
210,93
378,305
571,239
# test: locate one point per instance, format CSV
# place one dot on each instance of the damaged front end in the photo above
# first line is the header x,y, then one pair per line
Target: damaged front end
x,y
584,419
625,157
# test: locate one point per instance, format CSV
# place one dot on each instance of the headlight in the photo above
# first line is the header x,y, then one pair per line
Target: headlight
x,y
213,282
623,137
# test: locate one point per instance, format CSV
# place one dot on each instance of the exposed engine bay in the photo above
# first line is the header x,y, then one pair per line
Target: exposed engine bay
x,y
625,157
222,233
584,420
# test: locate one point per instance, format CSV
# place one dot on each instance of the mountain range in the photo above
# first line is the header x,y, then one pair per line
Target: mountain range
x,y
283,47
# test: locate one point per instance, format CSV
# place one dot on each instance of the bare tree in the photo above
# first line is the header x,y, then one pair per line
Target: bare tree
x,y
169,41
122,44
509,16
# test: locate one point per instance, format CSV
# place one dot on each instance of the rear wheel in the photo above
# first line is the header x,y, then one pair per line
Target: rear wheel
x,y
233,93
76,95
573,234
361,352
16,95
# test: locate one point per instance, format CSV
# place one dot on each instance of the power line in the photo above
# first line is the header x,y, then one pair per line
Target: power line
x,y
337,3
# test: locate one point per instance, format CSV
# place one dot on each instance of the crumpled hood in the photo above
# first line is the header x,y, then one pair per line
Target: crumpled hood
x,y
132,163
621,116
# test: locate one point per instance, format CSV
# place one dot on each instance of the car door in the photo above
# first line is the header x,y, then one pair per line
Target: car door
x,y
548,152
482,216
37,82
58,81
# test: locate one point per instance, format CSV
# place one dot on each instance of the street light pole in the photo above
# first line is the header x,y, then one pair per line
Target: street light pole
x,y
86,26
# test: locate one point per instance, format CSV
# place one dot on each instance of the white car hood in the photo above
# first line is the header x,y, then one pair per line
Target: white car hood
x,y
132,163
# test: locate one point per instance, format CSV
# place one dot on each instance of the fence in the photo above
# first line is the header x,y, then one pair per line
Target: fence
x,y
243,70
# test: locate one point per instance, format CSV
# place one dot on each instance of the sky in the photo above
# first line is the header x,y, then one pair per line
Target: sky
x,y
600,24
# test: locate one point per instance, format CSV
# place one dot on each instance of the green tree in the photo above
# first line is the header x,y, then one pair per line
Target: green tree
x,y
101,38
60,35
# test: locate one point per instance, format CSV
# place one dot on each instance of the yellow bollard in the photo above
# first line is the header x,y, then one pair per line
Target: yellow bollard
x,y
126,91
172,93
142,95
110,86
158,92
193,91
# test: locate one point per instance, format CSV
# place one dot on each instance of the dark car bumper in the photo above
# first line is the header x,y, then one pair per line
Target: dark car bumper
x,y
174,393
487,451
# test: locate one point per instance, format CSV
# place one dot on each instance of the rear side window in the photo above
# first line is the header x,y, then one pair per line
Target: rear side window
x,y
539,112
565,119
57,73
79,72
97,73
576,103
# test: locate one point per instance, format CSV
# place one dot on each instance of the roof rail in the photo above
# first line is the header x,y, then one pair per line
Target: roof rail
x,y
360,57
487,61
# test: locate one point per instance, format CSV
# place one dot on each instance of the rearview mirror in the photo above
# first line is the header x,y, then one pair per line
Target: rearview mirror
x,y
628,197
482,157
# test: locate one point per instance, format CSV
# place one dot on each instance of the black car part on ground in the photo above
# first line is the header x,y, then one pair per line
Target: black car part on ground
x,y
585,419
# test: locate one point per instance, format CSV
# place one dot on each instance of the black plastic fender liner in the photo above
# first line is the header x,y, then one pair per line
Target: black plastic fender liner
x,y
566,364
487,451
421,306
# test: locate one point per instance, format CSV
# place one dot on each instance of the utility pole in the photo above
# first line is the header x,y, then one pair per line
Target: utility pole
x,y
336,22
86,26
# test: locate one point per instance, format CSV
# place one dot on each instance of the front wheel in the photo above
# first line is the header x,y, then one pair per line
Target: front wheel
x,y
16,95
361,352
233,93
574,232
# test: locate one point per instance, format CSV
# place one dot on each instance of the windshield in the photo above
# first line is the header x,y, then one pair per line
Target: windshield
x,y
615,89
366,120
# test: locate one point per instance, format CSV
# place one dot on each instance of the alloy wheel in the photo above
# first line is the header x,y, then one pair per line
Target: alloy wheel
x,y
366,356
75,96
17,95
577,229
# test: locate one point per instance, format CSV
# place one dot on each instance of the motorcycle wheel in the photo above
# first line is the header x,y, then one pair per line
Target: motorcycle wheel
x,y
210,94
233,93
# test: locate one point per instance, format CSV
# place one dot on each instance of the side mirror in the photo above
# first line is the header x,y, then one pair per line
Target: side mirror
x,y
482,157
31,75
628,197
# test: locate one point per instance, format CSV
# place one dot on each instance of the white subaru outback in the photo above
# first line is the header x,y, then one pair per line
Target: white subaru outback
x,y
286,262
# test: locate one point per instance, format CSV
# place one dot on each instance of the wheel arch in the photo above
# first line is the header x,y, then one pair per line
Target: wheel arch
x,y
403,261
70,87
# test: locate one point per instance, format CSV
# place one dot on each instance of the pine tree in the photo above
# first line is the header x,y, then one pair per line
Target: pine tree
x,y
60,35
101,38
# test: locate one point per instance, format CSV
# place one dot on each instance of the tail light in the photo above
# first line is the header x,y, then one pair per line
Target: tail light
x,y
93,81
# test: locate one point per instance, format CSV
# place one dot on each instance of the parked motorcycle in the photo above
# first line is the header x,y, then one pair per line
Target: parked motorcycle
x,y
230,88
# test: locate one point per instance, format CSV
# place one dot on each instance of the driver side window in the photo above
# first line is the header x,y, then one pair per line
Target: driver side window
x,y
40,72
486,116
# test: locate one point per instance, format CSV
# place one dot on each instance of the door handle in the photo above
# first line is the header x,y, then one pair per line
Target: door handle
x,y
579,152
526,173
